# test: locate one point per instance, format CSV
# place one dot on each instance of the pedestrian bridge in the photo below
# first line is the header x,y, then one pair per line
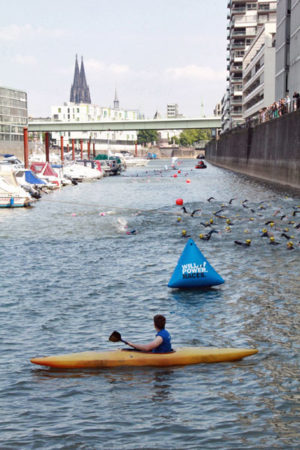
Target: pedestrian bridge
x,y
205,123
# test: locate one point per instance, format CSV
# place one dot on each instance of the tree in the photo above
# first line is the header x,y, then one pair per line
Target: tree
x,y
190,137
146,136
174,140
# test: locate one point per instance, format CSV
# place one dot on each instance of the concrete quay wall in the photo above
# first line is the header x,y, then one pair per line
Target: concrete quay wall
x,y
270,151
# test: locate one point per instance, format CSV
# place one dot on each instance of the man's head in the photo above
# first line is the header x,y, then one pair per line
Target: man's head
x,y
159,322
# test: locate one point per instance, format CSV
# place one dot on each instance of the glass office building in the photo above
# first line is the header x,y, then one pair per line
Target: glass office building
x,y
13,115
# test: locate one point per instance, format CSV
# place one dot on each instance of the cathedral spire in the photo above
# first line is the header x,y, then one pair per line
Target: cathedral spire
x,y
76,82
80,92
83,82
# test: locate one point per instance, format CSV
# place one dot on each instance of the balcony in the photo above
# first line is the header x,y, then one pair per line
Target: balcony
x,y
241,10
236,101
259,89
245,21
253,77
237,32
237,58
266,8
235,68
236,79
236,113
237,91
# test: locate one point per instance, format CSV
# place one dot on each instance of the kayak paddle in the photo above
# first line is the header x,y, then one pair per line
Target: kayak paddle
x,y
116,337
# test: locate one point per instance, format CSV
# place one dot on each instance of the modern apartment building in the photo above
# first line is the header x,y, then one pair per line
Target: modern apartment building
x,y
13,116
287,48
244,19
259,71
172,111
218,109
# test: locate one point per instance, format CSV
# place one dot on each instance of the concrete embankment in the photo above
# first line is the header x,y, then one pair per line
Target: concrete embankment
x,y
270,151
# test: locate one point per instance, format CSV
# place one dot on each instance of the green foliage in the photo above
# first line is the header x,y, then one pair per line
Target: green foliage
x,y
174,140
190,137
147,136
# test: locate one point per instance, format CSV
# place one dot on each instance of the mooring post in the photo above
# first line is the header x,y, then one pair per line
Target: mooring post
x,y
81,149
47,146
89,149
135,152
73,150
94,150
62,149
26,154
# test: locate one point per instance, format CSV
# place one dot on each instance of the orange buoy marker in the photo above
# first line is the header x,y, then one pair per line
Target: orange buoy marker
x,y
175,175
178,171
179,201
188,181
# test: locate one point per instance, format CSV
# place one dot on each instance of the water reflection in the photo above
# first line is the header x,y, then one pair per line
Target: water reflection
x,y
162,386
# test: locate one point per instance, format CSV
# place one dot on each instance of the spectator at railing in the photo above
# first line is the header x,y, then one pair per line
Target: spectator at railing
x,y
277,109
296,96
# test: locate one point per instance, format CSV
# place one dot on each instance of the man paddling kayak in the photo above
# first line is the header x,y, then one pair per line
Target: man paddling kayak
x,y
162,341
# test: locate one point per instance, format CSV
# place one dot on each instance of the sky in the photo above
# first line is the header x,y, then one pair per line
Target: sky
x,y
154,52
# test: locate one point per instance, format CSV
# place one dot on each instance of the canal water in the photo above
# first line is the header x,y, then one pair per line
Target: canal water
x,y
70,275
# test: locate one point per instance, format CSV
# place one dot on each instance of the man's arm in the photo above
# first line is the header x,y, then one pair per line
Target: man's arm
x,y
148,347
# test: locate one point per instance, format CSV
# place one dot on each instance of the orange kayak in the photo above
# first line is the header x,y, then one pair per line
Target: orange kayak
x,y
119,358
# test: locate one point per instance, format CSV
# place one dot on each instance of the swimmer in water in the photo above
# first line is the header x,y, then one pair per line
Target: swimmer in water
x,y
272,241
247,243
206,237
265,233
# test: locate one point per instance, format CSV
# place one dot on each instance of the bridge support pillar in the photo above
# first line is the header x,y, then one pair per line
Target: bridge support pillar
x,y
26,153
47,146
89,149
62,149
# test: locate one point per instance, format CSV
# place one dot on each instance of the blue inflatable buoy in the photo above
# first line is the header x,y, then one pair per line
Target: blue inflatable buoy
x,y
193,270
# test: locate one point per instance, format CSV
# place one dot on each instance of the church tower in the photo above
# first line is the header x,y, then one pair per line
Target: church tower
x,y
80,92
116,101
